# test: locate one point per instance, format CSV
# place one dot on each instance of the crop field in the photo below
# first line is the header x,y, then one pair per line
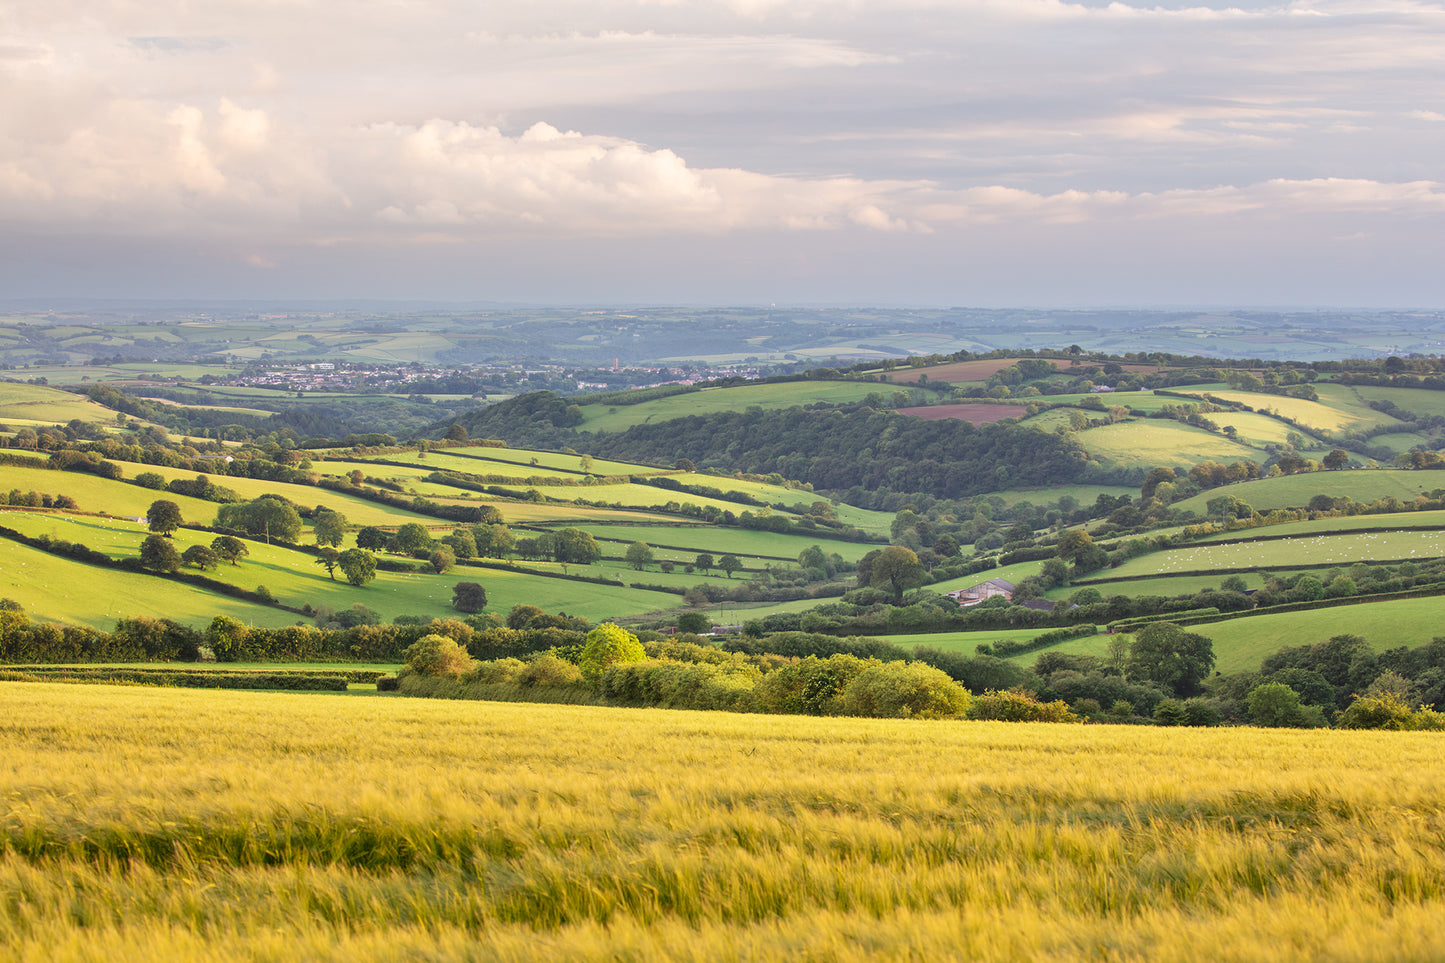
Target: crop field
x,y
1325,549
1169,443
188,825
1295,491
709,401
1252,427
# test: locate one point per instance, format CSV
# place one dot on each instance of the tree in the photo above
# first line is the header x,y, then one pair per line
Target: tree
x,y
268,517
411,539
1165,654
372,538
1074,543
575,545
164,516
703,563
329,558
1276,705
694,622
469,597
639,555
358,565
729,564
608,644
1336,460
157,553
895,568
229,548
462,543
442,559
201,557
329,528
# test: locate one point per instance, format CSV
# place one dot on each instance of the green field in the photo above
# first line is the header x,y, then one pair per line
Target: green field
x,y
37,405
1160,442
1295,491
693,539
187,825
1417,401
1337,409
1321,526
1169,587
709,401
1241,644
1326,549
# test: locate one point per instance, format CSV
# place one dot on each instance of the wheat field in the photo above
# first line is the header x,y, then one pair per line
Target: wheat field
x,y
143,824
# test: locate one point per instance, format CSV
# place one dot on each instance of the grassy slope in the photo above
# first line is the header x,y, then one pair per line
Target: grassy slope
x,y
719,541
331,829
713,400
1295,491
1332,549
1160,442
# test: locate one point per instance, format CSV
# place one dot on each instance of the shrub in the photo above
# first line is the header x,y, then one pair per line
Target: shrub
x,y
546,669
440,656
387,683
903,690
608,644
1385,711
1016,705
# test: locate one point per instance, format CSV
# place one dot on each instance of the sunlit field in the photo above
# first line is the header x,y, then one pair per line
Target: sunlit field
x,y
148,824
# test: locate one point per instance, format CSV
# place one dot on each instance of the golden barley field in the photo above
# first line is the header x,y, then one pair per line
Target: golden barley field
x,y
144,824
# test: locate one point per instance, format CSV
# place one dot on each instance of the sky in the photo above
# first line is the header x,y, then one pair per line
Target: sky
x,y
928,152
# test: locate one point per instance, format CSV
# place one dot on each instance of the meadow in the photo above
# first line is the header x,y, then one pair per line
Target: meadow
x,y
1170,443
1320,550
189,825
1289,491
597,417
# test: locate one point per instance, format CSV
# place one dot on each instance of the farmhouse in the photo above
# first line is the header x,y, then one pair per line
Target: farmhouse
x,y
985,590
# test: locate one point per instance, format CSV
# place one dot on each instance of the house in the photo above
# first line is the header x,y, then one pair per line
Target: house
x,y
984,590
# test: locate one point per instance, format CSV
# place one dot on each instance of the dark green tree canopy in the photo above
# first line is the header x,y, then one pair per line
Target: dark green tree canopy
x,y
164,516
1165,654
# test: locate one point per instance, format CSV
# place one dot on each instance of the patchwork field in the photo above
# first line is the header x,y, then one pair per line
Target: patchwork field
x,y
230,825
1328,549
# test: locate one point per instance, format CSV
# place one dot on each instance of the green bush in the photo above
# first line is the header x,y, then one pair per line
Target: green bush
x,y
1018,706
606,645
1385,711
903,690
438,655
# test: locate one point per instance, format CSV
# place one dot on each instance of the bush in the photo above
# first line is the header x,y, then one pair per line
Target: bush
x,y
387,683
1018,706
903,690
606,645
546,669
439,656
1386,711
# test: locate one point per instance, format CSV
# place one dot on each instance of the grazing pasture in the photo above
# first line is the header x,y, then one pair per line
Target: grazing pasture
x,y
708,401
188,825
978,414
1169,443
1321,550
1295,491
1322,415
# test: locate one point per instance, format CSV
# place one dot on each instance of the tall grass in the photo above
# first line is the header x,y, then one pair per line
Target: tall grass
x,y
141,824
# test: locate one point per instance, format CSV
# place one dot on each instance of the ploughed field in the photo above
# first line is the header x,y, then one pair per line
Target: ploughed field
x,y
156,824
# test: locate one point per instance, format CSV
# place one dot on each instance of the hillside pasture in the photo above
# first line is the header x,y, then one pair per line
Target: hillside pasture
x,y
37,405
1240,645
1417,401
1322,526
1320,550
54,589
1317,415
975,413
1153,443
189,826
95,494
1295,491
708,401
957,372
1252,427
718,541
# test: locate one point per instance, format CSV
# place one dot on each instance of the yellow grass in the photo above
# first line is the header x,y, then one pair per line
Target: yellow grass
x,y
148,824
